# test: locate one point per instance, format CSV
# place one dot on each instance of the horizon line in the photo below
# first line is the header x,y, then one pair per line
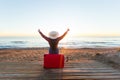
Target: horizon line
x,y
67,36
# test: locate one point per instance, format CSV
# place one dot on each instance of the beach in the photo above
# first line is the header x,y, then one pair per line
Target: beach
x,y
80,64
37,54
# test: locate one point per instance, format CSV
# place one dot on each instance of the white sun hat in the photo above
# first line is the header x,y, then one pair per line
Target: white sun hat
x,y
53,34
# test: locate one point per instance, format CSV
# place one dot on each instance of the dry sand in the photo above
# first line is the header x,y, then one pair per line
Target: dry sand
x,y
36,54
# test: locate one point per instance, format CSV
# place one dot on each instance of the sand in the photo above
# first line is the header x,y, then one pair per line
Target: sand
x,y
36,54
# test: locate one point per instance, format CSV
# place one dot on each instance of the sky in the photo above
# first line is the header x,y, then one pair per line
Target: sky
x,y
82,17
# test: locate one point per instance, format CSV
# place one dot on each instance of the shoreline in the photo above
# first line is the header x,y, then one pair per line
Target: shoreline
x,y
62,48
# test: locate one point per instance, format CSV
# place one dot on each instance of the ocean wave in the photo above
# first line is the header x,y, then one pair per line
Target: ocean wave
x,y
19,42
70,43
7,47
97,42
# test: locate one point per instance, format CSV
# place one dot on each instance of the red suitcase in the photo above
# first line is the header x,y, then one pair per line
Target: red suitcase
x,y
53,61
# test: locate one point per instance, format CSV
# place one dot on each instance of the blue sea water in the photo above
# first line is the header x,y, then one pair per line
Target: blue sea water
x,y
73,42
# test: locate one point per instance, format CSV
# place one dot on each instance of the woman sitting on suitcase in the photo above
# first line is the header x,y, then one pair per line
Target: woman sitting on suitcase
x,y
53,40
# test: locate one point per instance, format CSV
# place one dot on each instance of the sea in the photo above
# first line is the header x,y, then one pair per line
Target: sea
x,y
69,42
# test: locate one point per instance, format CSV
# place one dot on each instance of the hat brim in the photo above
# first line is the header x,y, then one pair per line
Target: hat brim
x,y
52,37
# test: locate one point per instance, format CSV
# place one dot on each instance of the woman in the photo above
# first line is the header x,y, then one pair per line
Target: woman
x,y
53,40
